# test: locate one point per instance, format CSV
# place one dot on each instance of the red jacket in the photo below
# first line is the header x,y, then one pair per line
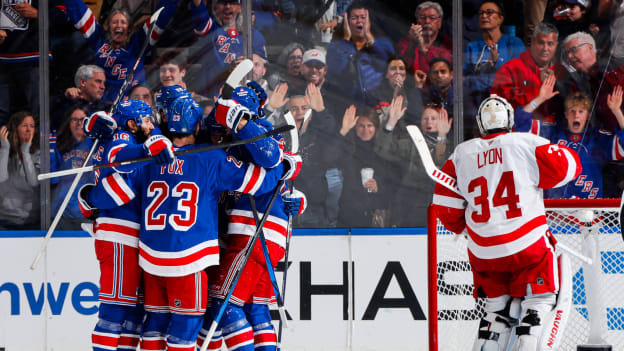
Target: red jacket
x,y
417,60
518,81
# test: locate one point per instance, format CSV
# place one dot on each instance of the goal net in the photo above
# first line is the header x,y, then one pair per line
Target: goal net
x,y
590,227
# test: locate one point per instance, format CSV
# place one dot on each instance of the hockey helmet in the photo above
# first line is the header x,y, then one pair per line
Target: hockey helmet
x,y
167,95
134,110
183,115
495,114
248,98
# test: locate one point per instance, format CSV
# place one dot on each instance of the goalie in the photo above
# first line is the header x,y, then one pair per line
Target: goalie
x,y
500,177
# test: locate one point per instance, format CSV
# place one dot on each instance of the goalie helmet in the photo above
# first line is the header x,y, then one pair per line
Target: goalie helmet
x,y
248,98
167,95
131,110
183,115
495,115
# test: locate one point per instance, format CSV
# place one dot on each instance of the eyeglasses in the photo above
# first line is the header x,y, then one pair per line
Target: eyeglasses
x,y
488,12
76,120
430,17
574,49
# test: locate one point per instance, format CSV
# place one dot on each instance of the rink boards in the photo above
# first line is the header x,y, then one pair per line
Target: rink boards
x,y
377,302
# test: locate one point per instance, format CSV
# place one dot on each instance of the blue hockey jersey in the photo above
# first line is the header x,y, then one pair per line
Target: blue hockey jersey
x,y
179,206
594,147
117,62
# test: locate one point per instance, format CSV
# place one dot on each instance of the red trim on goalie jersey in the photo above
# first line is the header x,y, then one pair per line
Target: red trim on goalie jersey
x,y
507,238
557,165
449,205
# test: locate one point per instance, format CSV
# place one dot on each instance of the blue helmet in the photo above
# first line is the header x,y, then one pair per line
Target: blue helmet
x,y
248,98
183,115
167,95
133,110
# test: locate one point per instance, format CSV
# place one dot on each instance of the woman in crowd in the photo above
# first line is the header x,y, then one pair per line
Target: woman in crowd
x,y
364,201
70,151
19,167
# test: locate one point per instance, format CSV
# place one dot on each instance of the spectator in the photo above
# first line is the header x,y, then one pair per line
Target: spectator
x,y
439,87
364,201
355,64
259,71
288,68
571,16
68,151
396,82
317,134
424,41
19,167
220,42
595,147
141,92
519,79
90,83
589,76
172,67
413,188
19,58
117,48
484,56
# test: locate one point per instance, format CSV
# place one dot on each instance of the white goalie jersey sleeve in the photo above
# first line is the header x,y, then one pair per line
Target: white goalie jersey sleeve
x,y
500,180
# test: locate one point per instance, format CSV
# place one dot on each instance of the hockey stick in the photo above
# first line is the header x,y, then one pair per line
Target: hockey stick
x,y
294,147
239,269
177,153
267,259
82,170
450,183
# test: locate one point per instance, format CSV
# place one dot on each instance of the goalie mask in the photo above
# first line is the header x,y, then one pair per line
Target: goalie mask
x,y
131,110
495,115
183,115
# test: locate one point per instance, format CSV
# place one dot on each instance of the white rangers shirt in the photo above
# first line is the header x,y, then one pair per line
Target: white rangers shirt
x,y
500,178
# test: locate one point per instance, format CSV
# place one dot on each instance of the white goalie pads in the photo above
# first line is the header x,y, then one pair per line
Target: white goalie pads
x,y
555,323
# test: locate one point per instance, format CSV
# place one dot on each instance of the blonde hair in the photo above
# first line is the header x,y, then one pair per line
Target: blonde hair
x,y
578,98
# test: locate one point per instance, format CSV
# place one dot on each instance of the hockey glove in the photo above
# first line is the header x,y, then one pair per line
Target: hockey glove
x,y
295,203
88,211
262,96
99,126
292,165
160,148
229,113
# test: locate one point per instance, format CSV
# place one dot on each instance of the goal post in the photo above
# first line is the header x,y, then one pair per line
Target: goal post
x,y
588,226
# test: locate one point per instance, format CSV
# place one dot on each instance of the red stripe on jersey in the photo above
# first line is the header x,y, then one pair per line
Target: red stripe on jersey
x,y
156,344
85,28
617,150
265,336
240,337
253,179
129,341
113,152
179,261
509,237
117,189
117,228
174,347
250,221
107,340
555,166
535,126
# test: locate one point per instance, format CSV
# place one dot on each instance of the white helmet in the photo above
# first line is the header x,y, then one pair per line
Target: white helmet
x,y
495,113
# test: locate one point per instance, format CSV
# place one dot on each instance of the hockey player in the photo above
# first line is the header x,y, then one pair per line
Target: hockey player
x,y
500,177
594,146
247,321
116,230
178,234
117,50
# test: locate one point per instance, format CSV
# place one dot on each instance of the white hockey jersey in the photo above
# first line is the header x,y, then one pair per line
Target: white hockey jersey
x,y
500,178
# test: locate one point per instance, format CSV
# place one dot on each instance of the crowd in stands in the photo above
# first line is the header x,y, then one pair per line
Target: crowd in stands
x,y
351,73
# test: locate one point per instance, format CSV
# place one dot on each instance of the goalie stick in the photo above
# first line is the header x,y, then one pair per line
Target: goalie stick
x,y
450,183
83,169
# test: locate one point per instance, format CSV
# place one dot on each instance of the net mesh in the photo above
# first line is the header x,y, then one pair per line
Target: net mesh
x,y
597,315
